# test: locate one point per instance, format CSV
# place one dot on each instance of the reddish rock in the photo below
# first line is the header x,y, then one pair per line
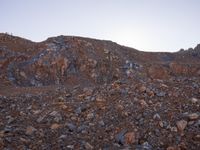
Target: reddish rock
x,y
130,138
142,89
181,125
143,103
30,130
55,126
158,72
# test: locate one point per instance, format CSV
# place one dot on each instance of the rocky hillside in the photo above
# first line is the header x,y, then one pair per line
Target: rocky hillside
x,y
72,60
81,93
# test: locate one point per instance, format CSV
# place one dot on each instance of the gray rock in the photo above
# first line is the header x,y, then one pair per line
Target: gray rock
x,y
101,123
120,139
71,127
82,128
144,146
160,94
156,117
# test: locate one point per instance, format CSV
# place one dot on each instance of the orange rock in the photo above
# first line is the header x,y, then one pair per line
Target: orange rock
x,y
30,130
142,89
158,72
181,125
130,138
55,126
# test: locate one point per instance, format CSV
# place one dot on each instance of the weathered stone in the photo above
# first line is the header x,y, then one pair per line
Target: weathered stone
x,y
23,74
142,89
88,146
55,126
193,116
57,116
194,100
130,138
120,139
90,116
30,130
1,134
181,125
71,127
143,103
174,129
156,116
161,124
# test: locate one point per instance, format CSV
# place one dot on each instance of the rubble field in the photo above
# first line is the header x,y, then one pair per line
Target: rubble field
x,y
79,93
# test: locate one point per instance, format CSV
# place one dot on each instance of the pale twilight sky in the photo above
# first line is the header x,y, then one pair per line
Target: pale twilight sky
x,y
149,25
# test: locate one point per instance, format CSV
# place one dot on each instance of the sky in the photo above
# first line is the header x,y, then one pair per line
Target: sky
x,y
148,25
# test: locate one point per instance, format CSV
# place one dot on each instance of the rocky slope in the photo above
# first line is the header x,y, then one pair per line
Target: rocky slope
x,y
80,93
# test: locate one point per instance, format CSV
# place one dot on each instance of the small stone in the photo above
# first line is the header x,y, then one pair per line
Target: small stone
x,y
190,123
161,124
88,91
156,117
194,100
193,116
1,143
71,127
143,103
150,93
7,129
40,119
57,116
1,133
99,99
181,125
35,112
120,107
120,139
174,129
53,113
70,146
161,94
130,138
30,130
61,99
23,74
144,146
164,85
63,136
73,118
23,140
68,95
142,89
10,119
90,116
88,146
91,124
172,148
101,123
82,128
197,137
55,126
